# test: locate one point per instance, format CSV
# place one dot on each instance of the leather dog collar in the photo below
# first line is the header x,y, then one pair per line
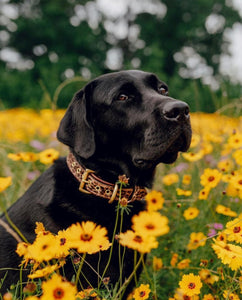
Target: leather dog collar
x,y
91,184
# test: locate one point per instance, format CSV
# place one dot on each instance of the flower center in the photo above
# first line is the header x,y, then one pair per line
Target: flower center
x,y
211,178
86,237
150,226
138,239
62,241
142,293
58,293
191,285
154,200
240,182
236,229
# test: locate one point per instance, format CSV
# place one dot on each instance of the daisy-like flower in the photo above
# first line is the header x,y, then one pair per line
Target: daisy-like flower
x,y
48,156
157,263
229,295
181,192
234,230
58,289
208,277
180,295
186,179
191,284
197,239
150,223
203,194
154,200
237,155
174,259
135,241
170,179
46,271
87,237
223,210
44,248
191,213
183,264
5,182
191,156
235,141
225,165
237,181
142,292
210,178
229,254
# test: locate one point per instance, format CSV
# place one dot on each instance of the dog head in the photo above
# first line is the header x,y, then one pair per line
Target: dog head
x,y
126,117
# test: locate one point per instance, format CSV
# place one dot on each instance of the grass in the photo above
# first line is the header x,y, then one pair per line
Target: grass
x,y
216,145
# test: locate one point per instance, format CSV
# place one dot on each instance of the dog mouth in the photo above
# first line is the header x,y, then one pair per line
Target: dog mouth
x,y
167,156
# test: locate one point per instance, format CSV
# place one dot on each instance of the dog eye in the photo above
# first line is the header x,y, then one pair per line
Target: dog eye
x,y
123,97
163,91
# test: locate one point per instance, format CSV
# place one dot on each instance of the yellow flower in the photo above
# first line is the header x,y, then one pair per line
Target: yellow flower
x,y
234,230
174,259
237,181
186,179
191,156
228,253
208,297
191,213
221,209
225,165
237,155
197,239
183,264
170,179
157,263
154,200
58,289
195,140
181,192
87,237
208,277
210,178
134,240
235,141
230,296
44,248
87,294
150,223
191,284
142,292
48,156
5,182
180,295
203,194
45,271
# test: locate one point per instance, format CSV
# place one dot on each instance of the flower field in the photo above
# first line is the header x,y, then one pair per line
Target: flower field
x,y
191,230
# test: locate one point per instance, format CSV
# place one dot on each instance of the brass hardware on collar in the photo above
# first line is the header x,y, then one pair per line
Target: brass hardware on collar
x,y
84,180
114,194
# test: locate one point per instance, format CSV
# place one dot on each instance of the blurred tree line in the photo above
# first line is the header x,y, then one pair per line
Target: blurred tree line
x,y
45,42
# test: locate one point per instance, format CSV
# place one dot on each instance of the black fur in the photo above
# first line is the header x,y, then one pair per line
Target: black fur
x,y
113,136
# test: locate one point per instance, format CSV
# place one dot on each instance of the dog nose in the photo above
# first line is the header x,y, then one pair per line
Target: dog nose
x,y
176,110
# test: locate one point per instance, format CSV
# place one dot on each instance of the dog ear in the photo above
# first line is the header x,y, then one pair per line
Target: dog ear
x,y
75,129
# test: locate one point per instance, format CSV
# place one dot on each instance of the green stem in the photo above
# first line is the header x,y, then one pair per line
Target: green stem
x,y
122,289
14,226
79,269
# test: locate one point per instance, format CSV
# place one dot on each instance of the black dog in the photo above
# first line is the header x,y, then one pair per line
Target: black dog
x,y
120,123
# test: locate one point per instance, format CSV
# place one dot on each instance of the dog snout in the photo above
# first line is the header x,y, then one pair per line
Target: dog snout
x,y
176,111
